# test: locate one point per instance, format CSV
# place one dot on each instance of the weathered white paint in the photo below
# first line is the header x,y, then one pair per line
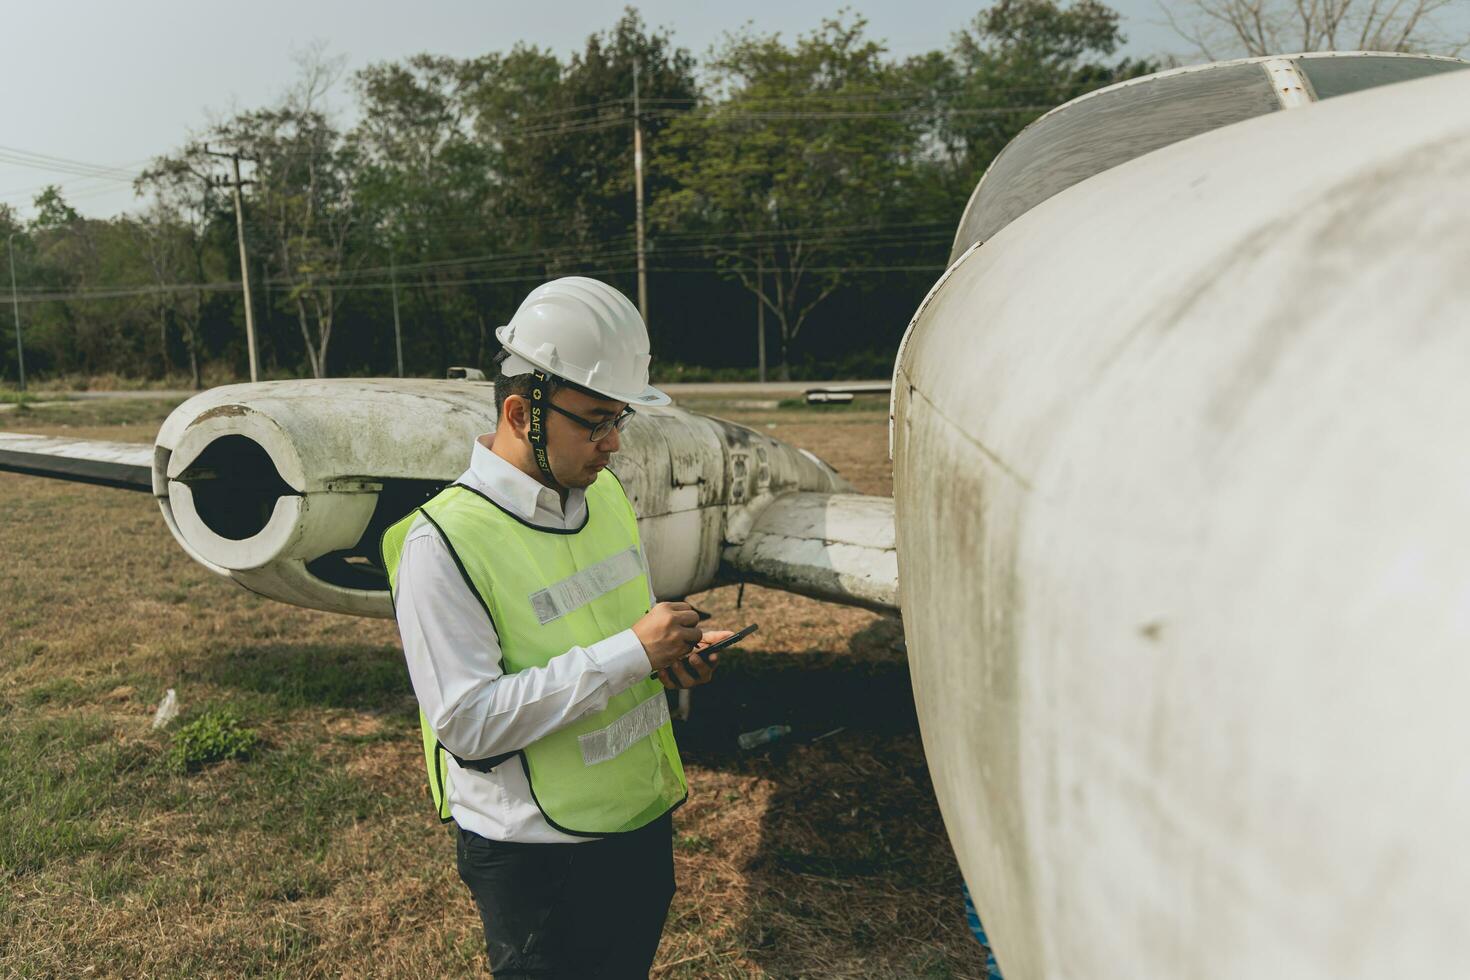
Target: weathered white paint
x,y
833,546
316,434
116,463
1291,89
307,526
698,483
125,453
1181,504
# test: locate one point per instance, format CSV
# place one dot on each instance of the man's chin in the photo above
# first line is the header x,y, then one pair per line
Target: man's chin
x,y
582,480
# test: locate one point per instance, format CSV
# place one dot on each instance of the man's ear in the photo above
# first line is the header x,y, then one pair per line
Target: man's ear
x,y
515,414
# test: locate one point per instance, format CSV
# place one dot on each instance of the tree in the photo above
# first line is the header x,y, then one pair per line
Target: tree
x,y
304,191
1265,27
1015,61
174,236
424,179
593,168
52,211
564,149
10,225
805,148
158,232
490,173
815,176
67,253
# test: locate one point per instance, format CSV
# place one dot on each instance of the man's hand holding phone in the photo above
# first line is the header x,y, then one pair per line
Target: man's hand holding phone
x,y
699,666
668,632
681,654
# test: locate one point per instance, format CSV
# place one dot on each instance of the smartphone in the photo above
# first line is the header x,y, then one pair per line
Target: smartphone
x,y
728,641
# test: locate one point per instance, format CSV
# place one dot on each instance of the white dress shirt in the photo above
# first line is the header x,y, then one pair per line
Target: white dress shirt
x,y
476,709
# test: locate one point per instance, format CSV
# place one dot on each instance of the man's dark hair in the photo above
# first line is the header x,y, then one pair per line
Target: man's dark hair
x,y
520,384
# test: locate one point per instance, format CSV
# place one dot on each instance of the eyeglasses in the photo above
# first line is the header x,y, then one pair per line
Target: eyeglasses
x,y
599,430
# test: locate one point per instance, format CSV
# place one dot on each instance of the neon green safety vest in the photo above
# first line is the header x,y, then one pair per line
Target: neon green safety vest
x,y
546,591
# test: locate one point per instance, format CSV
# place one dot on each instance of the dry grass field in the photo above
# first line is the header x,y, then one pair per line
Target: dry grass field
x,y
822,855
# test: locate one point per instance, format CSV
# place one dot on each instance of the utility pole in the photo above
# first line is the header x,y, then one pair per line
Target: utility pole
x,y
397,330
760,314
20,353
638,193
234,159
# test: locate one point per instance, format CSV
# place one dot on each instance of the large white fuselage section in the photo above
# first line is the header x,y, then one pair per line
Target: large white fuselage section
x,y
1181,515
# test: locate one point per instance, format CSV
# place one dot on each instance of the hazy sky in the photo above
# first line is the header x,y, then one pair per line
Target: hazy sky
x,y
115,84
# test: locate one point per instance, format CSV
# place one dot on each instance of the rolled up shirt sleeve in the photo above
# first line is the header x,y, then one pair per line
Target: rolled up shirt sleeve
x,y
476,709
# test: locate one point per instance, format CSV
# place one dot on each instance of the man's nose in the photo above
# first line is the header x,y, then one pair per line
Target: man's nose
x,y
610,443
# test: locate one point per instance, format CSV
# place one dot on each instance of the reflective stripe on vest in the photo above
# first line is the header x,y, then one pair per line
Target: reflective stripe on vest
x,y
545,591
591,583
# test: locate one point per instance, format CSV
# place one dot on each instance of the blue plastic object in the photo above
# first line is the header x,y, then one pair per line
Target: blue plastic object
x,y
992,968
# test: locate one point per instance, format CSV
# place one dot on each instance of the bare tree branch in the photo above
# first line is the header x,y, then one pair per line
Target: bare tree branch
x,y
1264,27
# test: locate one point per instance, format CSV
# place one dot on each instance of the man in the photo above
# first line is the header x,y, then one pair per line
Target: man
x,y
523,601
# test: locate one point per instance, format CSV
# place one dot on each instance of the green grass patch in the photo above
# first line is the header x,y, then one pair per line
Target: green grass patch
x,y
314,799
27,398
103,877
56,774
100,413
215,736
132,689
292,882
63,690
673,372
70,791
294,795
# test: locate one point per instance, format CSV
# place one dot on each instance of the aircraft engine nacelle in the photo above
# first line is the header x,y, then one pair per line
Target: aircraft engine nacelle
x,y
1181,494
286,487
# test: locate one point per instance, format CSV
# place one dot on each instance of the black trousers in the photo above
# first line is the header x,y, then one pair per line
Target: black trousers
x,y
575,911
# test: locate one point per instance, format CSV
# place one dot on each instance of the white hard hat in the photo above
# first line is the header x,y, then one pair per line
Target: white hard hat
x,y
586,332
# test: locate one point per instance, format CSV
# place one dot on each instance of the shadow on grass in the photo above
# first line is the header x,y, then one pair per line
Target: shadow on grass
x,y
290,677
853,858
814,693
852,875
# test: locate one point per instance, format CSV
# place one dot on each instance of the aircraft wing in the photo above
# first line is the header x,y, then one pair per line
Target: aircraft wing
x,y
268,488
833,546
125,465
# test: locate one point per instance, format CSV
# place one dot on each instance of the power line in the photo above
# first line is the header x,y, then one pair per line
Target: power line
x,y
717,114
45,161
234,286
686,244
835,228
69,196
720,114
75,179
705,244
915,95
726,114
571,257
725,111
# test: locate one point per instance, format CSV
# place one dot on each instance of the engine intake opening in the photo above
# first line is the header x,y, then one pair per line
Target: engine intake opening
x,y
361,566
235,487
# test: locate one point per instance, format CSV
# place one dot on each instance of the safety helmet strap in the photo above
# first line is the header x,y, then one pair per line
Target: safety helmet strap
x,y
536,429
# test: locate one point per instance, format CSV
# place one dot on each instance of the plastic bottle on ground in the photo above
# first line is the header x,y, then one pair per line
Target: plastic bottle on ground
x,y
761,736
